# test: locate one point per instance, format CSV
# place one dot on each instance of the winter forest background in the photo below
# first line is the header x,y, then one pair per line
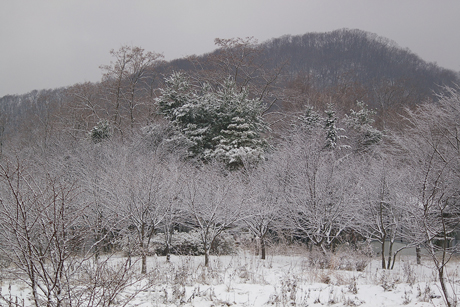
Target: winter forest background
x,y
324,141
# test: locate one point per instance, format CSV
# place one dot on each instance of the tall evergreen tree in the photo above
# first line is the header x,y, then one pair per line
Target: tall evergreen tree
x,y
332,131
361,122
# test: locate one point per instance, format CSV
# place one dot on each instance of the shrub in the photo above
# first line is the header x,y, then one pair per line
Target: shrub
x,y
346,258
189,243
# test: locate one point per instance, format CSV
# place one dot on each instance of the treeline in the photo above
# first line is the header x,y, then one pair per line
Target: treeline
x,y
342,67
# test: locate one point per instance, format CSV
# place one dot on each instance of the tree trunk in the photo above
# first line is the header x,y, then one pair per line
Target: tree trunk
x,y
262,247
383,255
131,109
144,255
394,258
129,252
206,257
393,263
167,252
168,240
144,263
442,281
34,284
390,251
418,254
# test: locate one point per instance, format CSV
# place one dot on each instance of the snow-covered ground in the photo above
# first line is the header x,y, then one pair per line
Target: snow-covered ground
x,y
245,280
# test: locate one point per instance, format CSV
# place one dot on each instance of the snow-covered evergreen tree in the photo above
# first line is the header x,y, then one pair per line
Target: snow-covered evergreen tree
x,y
101,131
222,123
332,131
361,121
309,120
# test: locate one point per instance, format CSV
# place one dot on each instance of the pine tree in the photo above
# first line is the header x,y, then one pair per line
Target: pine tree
x,y
100,132
361,121
330,125
309,120
222,123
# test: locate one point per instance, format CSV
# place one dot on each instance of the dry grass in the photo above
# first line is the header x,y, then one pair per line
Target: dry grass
x,y
300,278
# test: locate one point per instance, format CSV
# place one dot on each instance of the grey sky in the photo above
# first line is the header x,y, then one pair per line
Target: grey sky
x,y
53,43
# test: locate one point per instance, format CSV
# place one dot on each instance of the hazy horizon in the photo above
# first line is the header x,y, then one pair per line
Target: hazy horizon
x,y
51,43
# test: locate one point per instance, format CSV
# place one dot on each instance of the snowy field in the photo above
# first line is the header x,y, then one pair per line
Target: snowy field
x,y
245,280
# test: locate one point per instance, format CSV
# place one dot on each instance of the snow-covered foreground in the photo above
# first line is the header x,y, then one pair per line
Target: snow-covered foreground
x,y
245,280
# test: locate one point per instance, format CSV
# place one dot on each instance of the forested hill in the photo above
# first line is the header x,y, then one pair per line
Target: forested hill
x,y
354,54
329,56
346,58
347,65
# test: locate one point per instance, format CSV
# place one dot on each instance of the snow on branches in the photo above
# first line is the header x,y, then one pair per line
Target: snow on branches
x,y
220,122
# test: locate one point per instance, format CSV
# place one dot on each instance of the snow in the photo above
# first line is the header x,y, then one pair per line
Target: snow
x,y
245,280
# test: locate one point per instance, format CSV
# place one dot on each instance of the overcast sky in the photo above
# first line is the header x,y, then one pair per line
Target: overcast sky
x,y
54,43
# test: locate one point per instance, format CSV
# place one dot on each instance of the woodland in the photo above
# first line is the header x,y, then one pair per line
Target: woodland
x,y
322,141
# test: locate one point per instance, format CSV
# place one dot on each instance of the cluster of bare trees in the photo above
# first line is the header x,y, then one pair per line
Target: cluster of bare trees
x,y
318,192
49,239
124,98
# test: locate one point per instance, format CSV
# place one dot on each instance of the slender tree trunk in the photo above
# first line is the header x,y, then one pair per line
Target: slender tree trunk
x,y
144,255
394,260
34,284
131,109
98,238
262,247
168,239
418,254
168,253
323,249
442,281
390,253
144,263
206,257
31,271
441,265
129,252
383,253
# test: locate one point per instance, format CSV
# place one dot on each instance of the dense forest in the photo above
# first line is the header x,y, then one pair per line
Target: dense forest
x,y
320,139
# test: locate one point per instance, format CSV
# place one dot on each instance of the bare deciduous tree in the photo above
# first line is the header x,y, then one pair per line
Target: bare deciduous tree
x,y
320,194
266,194
125,81
383,205
44,232
212,202
432,147
241,59
143,182
39,231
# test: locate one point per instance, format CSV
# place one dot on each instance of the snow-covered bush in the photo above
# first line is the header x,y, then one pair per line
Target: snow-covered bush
x,y
163,139
345,258
189,243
